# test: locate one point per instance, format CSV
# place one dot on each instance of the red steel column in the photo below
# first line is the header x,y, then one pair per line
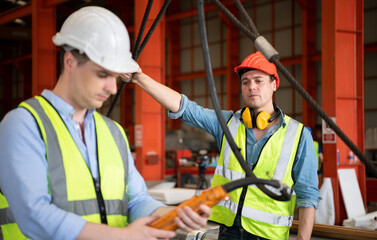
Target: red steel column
x,y
342,84
232,53
150,115
308,65
174,53
43,50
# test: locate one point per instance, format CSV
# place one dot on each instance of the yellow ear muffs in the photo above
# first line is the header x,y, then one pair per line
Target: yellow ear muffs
x,y
262,119
247,117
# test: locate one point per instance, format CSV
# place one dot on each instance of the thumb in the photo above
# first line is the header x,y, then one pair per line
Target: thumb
x,y
147,220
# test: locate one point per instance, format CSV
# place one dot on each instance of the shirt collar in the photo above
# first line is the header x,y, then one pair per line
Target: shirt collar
x,y
64,108
282,119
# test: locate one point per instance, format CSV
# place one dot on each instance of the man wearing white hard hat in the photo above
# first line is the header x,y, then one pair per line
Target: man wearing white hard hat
x,y
66,170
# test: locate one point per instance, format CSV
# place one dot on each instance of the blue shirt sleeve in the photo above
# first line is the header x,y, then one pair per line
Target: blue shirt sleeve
x,y
23,181
196,116
305,173
140,204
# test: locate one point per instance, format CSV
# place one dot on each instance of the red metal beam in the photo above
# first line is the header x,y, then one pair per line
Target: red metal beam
x,y
174,51
343,85
16,59
150,115
194,12
201,74
308,66
15,13
53,3
232,52
43,50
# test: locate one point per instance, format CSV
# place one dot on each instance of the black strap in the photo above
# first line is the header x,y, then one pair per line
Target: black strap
x,y
101,202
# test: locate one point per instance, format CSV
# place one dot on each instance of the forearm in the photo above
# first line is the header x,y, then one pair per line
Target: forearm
x,y
306,221
166,96
92,231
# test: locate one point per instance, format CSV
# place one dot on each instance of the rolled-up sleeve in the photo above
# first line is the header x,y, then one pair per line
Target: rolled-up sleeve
x,y
305,173
182,108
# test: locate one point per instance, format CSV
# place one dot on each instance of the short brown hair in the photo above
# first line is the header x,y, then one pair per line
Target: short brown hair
x,y
80,57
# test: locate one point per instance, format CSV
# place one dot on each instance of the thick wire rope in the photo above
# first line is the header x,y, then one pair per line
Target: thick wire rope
x,y
296,85
211,86
142,27
137,50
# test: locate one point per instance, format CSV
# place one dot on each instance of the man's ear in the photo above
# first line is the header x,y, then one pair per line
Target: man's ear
x,y
69,61
274,85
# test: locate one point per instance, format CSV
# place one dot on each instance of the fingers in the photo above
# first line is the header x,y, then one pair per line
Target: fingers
x,y
206,211
139,229
125,77
189,220
161,234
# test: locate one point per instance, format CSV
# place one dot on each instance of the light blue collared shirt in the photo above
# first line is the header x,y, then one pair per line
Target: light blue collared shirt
x,y
305,166
23,174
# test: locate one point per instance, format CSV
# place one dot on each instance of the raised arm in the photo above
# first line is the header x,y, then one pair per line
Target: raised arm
x,y
166,96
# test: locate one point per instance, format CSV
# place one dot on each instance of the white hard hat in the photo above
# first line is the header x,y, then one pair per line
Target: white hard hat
x,y
101,35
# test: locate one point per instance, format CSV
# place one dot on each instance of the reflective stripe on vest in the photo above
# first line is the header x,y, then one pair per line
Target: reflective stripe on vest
x,y
9,228
259,211
316,149
71,187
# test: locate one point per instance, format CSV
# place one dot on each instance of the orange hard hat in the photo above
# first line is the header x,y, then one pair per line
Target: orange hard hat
x,y
259,62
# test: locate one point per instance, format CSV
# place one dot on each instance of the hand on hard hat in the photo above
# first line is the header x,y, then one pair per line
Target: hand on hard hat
x,y
101,35
126,77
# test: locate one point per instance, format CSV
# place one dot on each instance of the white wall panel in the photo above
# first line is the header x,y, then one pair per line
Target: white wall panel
x,y
283,14
186,88
199,86
284,99
264,20
283,43
185,57
215,52
198,59
185,35
298,41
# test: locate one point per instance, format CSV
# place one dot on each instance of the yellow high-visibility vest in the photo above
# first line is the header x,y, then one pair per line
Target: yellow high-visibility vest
x,y
72,186
260,215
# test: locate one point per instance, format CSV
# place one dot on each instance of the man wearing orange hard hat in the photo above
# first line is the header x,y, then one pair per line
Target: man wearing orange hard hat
x,y
274,145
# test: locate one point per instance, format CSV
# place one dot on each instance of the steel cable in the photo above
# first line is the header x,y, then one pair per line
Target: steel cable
x,y
211,86
137,50
296,85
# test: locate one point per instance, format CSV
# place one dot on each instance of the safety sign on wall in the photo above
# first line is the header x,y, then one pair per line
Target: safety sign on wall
x,y
328,135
